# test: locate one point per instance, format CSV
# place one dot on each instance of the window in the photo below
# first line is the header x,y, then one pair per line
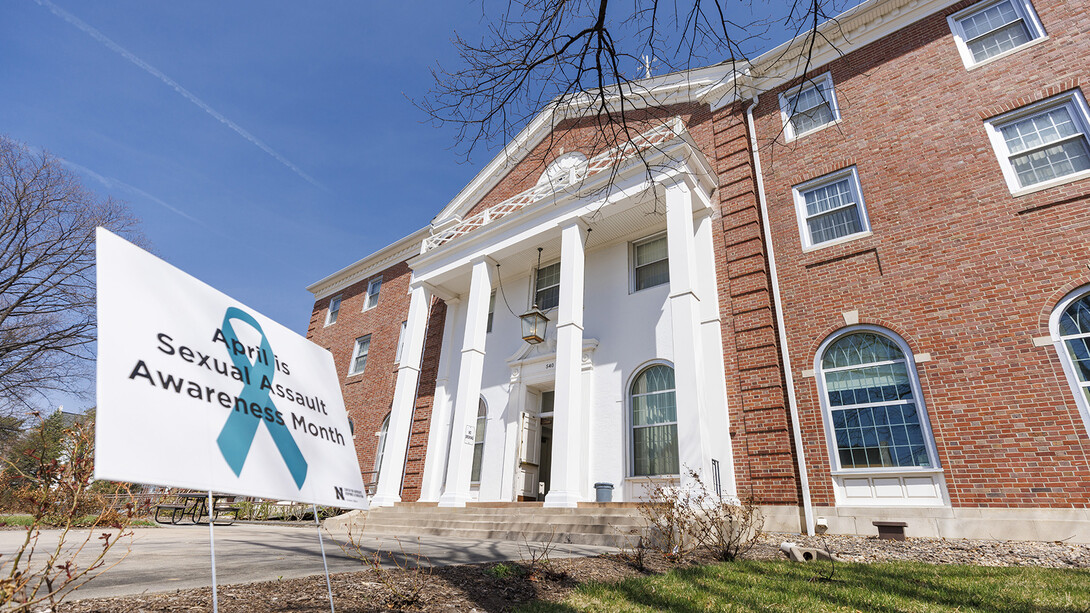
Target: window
x,y
381,449
650,263
372,294
491,311
831,208
547,287
991,29
334,308
1043,143
654,423
1071,329
478,442
359,355
872,404
400,342
809,107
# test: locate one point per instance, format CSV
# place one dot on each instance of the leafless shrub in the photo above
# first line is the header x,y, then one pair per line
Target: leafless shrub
x,y
403,584
55,490
537,559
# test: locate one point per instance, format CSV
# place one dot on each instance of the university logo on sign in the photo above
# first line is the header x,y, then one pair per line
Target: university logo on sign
x,y
197,391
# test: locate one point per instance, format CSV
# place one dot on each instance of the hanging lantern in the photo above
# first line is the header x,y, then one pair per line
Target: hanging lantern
x,y
533,325
534,321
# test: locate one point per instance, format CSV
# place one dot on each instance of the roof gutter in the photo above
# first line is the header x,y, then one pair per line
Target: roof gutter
x,y
789,379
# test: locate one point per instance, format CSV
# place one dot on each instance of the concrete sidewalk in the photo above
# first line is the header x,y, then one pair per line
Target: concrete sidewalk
x,y
177,557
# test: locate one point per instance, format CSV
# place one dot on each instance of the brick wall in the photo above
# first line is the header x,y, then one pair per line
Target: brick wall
x,y
956,265
369,396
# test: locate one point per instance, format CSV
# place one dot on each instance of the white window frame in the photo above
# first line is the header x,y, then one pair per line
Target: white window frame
x,y
632,261
917,394
1080,114
798,193
1065,358
479,431
380,450
630,424
1024,8
374,286
491,312
363,341
331,311
400,342
824,81
534,289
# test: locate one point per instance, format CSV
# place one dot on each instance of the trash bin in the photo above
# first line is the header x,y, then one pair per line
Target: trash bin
x,y
603,492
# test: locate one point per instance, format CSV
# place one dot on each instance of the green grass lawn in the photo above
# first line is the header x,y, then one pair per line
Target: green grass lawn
x,y
86,520
786,586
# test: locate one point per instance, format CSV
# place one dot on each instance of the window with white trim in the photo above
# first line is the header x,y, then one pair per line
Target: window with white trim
x,y
1071,331
831,208
1043,143
359,355
372,294
809,107
381,449
491,311
872,404
478,442
654,423
400,342
994,28
334,309
547,287
650,263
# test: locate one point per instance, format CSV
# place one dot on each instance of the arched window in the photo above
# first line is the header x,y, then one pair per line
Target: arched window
x,y
478,442
381,450
873,405
654,422
1071,327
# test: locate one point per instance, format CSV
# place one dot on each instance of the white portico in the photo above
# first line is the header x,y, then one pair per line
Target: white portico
x,y
511,421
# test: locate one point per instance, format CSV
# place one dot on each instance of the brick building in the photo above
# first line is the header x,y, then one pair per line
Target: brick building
x,y
854,294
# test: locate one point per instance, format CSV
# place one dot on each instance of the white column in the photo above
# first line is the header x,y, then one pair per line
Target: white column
x,y
693,448
567,477
711,332
401,415
468,393
435,461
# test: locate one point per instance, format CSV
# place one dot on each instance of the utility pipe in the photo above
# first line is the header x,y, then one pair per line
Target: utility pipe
x,y
807,508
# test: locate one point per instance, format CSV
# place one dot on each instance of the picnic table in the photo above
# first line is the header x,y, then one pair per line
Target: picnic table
x,y
194,505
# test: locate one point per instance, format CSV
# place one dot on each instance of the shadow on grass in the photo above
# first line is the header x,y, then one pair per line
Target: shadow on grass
x,y
749,586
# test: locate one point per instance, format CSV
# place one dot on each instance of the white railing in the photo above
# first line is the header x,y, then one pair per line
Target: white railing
x,y
599,163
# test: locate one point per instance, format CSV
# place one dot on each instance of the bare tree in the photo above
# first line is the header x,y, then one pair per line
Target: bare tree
x,y
586,56
47,290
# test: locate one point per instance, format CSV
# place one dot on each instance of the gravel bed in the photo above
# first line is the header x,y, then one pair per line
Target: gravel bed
x,y
935,550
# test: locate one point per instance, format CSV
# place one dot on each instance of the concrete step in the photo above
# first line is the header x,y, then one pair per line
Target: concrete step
x,y
592,524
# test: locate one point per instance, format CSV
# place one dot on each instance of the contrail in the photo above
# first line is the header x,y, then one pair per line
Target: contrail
x,y
100,37
114,183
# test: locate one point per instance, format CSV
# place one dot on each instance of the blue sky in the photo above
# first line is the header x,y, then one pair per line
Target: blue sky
x,y
262,145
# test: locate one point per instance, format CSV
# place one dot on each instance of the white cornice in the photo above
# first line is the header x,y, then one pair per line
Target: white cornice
x,y
374,263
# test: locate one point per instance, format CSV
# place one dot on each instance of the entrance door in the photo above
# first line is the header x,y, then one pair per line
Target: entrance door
x,y
535,446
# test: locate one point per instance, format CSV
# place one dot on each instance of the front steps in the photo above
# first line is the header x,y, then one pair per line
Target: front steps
x,y
590,524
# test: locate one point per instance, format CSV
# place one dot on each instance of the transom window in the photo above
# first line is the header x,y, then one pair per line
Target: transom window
x,y
651,263
1071,325
359,355
547,287
654,423
478,442
809,107
334,309
870,394
991,29
1044,142
831,208
372,293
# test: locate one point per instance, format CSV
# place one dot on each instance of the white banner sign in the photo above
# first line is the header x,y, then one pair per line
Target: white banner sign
x,y
198,391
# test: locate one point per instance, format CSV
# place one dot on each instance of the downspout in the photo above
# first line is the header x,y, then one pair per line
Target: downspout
x,y
807,508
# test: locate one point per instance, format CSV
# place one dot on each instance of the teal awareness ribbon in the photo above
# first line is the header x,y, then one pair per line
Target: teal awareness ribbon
x,y
238,433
